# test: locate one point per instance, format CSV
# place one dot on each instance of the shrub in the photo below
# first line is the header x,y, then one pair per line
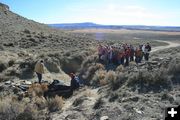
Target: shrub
x,y
10,109
119,81
3,66
174,68
111,76
120,68
78,101
26,31
149,81
52,65
98,103
55,104
40,102
1,47
88,74
37,89
113,97
99,78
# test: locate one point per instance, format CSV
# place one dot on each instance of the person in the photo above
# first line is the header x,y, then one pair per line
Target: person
x,y
131,53
39,69
110,54
138,54
147,50
127,55
75,83
143,51
100,51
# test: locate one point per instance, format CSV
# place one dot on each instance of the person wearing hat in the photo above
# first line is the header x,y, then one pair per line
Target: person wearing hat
x,y
39,69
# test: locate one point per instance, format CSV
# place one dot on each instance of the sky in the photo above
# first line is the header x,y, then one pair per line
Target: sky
x,y
107,12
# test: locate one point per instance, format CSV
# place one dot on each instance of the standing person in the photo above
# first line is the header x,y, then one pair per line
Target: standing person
x,y
100,51
131,53
39,69
147,49
138,54
110,55
127,54
143,51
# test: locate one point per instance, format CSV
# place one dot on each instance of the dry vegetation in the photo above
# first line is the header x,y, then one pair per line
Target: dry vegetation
x,y
117,91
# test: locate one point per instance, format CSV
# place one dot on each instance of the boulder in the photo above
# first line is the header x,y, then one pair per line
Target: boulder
x,y
104,118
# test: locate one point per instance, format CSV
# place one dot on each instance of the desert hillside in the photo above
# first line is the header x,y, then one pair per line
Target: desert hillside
x,y
110,92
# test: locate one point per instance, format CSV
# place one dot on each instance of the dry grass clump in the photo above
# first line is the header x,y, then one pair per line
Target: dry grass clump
x,y
37,89
55,104
12,109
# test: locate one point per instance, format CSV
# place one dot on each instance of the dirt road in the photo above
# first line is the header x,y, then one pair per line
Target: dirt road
x,y
171,44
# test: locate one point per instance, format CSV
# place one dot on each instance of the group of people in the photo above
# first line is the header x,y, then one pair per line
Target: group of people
x,y
123,54
120,55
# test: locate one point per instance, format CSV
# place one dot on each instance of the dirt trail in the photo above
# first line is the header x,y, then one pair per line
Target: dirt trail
x,y
171,44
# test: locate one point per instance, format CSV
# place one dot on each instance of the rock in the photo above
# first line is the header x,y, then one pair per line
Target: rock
x,y
138,111
104,118
153,62
8,83
9,44
28,83
26,31
157,59
24,87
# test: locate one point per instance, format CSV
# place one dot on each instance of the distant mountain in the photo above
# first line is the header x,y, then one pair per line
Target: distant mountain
x,y
87,25
75,25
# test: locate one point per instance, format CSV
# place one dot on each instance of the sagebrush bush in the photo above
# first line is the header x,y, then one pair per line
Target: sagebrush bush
x,y
111,76
149,81
11,62
55,104
40,102
119,81
120,68
98,104
90,71
99,78
12,109
3,66
174,68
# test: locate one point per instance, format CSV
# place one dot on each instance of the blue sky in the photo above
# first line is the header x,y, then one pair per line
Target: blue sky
x,y
114,12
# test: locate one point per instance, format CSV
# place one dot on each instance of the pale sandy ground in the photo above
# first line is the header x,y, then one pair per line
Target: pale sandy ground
x,y
171,45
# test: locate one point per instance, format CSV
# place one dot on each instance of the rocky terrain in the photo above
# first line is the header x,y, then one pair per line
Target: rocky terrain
x,y
138,92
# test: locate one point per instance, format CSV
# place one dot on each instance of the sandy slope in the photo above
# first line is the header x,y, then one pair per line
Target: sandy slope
x,y
171,44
